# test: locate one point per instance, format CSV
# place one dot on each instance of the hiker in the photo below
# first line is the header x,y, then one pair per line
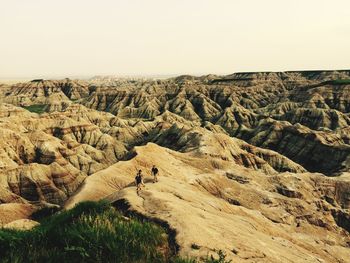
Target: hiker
x,y
154,172
139,181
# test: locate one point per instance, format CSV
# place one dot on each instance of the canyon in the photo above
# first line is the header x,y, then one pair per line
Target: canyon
x,y
254,164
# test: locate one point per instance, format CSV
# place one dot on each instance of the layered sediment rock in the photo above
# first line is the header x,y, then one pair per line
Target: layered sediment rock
x,y
213,204
270,110
45,158
239,156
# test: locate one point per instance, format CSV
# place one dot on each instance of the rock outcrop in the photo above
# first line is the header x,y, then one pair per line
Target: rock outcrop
x,y
282,111
45,158
255,164
215,204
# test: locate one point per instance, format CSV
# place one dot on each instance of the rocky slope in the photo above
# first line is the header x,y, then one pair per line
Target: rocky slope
x,y
298,114
44,158
243,158
211,203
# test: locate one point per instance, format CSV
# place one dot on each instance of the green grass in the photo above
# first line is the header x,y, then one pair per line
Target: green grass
x,y
340,81
90,232
37,108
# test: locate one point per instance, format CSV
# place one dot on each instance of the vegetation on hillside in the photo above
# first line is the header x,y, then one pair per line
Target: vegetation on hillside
x,y
37,108
339,82
90,232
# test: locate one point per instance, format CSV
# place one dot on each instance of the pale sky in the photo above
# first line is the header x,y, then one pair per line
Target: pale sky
x,y
54,38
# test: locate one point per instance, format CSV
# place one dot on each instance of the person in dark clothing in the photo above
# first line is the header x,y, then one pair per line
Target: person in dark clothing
x,y
154,172
139,181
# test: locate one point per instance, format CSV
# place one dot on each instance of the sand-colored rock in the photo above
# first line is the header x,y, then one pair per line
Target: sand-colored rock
x,y
21,224
260,108
241,103
14,211
44,158
43,92
239,157
220,205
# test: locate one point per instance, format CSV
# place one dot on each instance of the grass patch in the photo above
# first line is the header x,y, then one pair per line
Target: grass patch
x,y
90,232
339,82
37,108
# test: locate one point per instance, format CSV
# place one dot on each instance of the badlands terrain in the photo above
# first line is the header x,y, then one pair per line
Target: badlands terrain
x,y
253,164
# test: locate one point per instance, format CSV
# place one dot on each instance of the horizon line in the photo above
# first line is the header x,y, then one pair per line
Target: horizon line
x,y
150,75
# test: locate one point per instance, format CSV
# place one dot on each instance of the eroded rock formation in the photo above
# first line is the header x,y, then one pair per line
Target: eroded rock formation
x,y
259,163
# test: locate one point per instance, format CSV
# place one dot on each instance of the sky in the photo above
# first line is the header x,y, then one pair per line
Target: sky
x,y
63,38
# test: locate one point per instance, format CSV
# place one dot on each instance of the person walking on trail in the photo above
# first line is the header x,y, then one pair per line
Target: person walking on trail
x,y
139,181
154,172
